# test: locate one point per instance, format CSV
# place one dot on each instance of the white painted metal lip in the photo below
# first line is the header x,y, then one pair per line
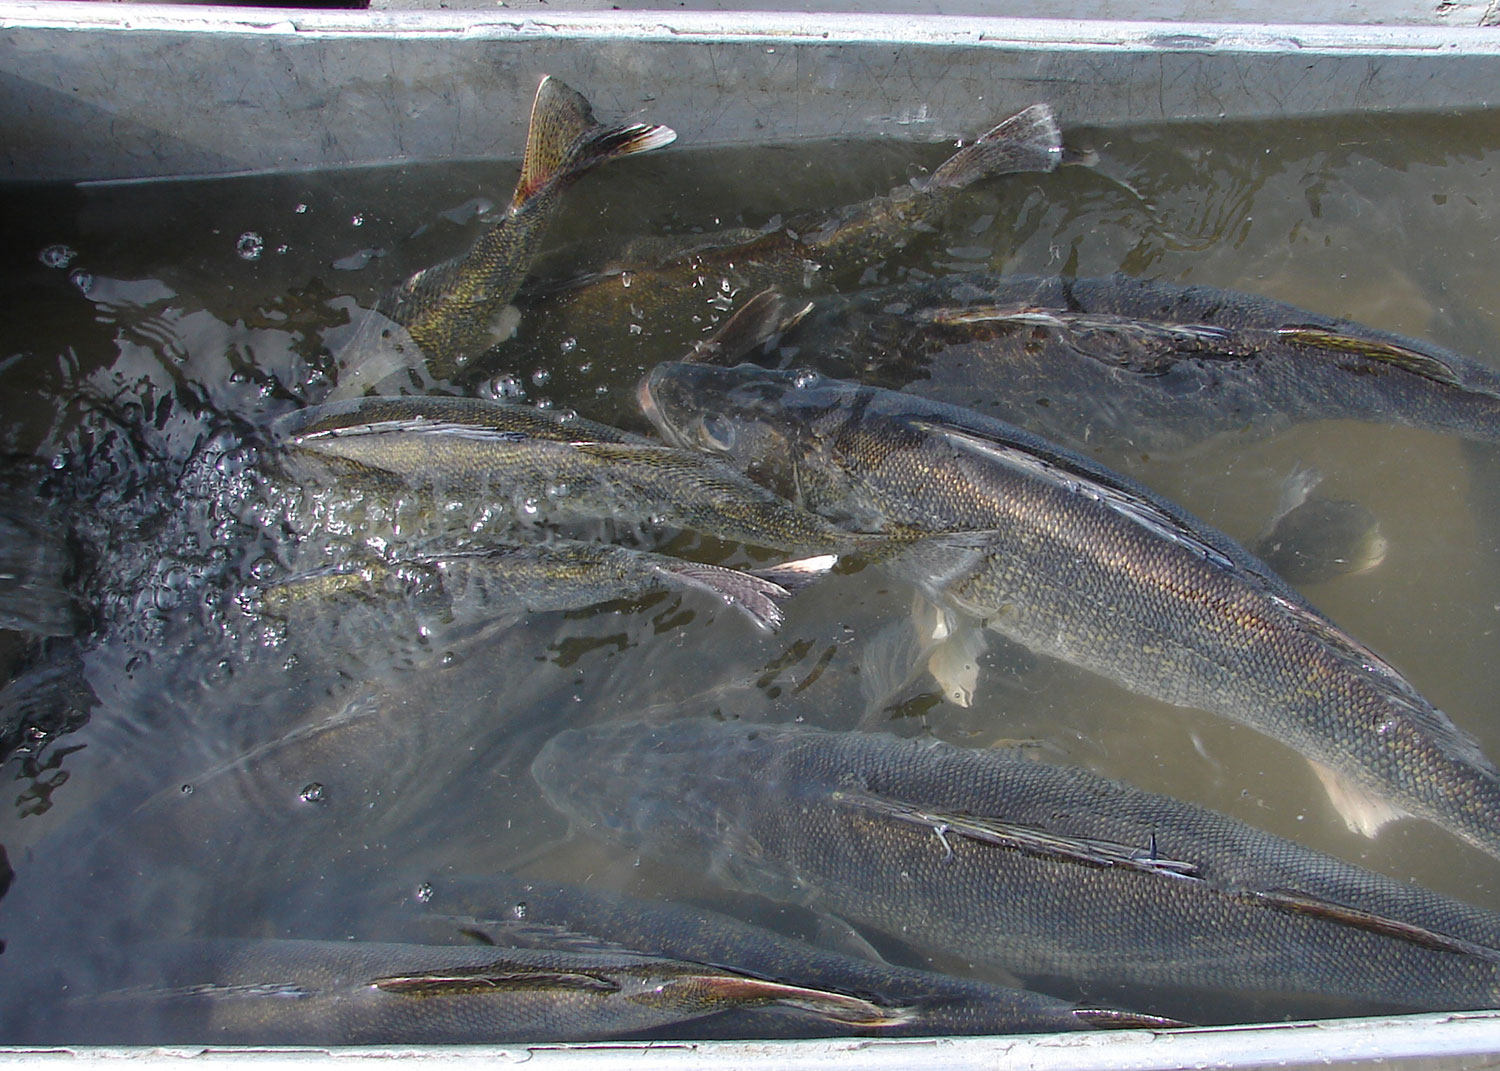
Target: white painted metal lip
x,y
1406,1043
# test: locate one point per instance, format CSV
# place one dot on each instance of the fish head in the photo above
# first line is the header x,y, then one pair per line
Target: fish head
x,y
779,426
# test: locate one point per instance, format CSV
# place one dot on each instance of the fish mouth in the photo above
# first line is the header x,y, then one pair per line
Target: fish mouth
x,y
647,401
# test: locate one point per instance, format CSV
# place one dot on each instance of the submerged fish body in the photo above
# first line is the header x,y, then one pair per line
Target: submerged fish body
x,y
563,467
674,295
293,992
1115,363
1046,871
1073,560
508,908
465,588
449,310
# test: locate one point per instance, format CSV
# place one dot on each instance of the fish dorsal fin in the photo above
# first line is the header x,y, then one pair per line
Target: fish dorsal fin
x,y
1133,507
1405,699
1145,346
1063,847
1298,903
413,426
502,974
1390,354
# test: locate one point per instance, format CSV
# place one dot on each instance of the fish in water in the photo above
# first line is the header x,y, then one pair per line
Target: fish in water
x,y
1060,876
1312,538
672,294
547,465
1077,562
516,911
449,311
1114,364
469,588
303,992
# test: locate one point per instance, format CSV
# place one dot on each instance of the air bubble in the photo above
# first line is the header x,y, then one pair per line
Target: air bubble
x,y
520,910
82,279
357,220
626,279
187,790
508,387
569,344
804,378
540,376
424,892
301,209
314,793
57,256
530,506
250,246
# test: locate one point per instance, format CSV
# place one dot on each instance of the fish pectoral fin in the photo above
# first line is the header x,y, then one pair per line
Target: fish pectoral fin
x,y
746,990
957,644
564,140
1303,904
1361,811
1030,140
1031,840
753,595
754,323
502,974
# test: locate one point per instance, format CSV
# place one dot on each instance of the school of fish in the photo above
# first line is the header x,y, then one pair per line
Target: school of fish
x,y
948,436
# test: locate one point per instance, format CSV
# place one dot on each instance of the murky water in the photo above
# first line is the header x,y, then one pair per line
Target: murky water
x,y
226,776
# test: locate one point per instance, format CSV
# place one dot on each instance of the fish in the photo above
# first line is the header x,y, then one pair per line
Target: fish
x,y
672,293
314,992
468,588
1077,562
545,465
1118,364
1078,884
449,309
1312,538
511,910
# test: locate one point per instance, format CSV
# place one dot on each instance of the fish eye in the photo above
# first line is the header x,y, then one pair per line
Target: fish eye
x,y
717,432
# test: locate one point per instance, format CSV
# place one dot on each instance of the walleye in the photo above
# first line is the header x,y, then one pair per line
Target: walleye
x,y
1075,561
1118,363
1051,872
673,295
518,911
467,588
301,992
449,310
1312,538
545,465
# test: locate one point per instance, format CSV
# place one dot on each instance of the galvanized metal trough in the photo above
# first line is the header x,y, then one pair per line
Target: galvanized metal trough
x,y
112,91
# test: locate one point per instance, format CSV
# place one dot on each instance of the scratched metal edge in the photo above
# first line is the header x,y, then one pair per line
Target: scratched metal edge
x,y
231,90
1404,1043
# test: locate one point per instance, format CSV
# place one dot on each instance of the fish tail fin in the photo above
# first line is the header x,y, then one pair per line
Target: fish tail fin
x,y
755,596
1030,140
565,140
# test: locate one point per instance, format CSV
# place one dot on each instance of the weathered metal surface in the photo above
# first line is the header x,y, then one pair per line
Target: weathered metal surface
x,y
111,91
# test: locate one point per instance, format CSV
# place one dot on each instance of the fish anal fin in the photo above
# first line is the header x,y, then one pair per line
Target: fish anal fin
x,y
1361,811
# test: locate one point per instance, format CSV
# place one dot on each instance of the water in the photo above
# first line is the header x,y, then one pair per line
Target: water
x,y
223,775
